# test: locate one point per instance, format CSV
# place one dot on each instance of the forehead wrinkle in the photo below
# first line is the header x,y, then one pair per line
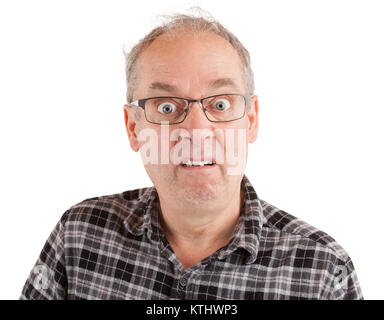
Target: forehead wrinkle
x,y
212,85
189,63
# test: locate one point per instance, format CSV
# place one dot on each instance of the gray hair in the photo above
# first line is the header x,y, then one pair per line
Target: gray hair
x,y
204,22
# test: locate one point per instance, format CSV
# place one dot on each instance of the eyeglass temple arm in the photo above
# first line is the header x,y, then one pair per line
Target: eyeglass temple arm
x,y
137,103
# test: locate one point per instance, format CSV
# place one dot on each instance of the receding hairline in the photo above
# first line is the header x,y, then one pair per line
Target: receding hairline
x,y
174,35
212,84
175,27
179,31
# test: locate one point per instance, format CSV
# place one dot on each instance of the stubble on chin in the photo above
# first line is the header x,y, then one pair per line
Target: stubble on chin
x,y
199,196
194,194
187,193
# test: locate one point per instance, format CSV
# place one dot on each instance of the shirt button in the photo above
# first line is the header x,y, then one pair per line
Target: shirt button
x,y
183,281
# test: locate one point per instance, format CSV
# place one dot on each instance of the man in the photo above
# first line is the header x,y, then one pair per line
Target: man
x,y
201,232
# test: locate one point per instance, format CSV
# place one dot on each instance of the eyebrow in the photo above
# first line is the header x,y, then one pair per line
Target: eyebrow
x,y
163,87
223,82
214,84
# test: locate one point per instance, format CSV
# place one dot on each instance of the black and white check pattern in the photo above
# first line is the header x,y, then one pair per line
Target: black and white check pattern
x,y
113,247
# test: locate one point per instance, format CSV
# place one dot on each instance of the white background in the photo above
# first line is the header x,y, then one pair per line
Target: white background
x,y
319,72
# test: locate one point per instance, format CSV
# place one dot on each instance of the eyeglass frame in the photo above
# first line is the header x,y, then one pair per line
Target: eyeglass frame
x,y
141,104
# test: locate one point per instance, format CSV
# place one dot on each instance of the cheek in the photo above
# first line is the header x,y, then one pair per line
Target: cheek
x,y
149,140
235,134
236,142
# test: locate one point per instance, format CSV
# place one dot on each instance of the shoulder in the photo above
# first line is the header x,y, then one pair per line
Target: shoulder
x,y
299,233
313,254
106,211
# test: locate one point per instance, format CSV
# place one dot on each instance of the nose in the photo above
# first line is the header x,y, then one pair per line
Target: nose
x,y
196,117
201,132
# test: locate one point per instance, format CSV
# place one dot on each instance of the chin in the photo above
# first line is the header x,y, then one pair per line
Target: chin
x,y
201,195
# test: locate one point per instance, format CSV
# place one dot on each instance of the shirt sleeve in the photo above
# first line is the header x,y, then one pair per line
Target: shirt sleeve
x,y
345,285
48,279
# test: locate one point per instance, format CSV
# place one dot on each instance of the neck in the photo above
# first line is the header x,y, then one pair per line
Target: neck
x,y
200,227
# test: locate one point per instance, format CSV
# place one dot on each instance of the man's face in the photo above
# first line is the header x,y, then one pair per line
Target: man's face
x,y
192,66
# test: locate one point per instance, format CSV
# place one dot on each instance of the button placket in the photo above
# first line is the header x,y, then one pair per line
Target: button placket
x,y
183,281
182,285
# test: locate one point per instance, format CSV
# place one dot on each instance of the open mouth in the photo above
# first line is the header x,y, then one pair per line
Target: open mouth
x,y
199,164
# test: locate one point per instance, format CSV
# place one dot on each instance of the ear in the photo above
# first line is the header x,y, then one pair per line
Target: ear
x,y
253,119
131,127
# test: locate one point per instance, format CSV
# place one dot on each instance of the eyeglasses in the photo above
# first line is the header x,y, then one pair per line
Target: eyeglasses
x,y
174,110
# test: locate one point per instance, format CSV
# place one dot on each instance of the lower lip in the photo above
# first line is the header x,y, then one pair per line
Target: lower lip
x,y
198,168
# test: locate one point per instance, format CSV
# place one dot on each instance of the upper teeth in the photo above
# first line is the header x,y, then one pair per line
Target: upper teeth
x,y
189,163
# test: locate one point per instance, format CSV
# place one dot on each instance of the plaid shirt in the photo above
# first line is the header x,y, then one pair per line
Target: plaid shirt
x,y
113,247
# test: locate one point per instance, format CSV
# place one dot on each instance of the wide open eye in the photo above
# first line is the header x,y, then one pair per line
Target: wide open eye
x,y
166,108
221,104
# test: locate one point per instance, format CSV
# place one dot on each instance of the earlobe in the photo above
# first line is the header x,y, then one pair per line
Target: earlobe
x,y
130,126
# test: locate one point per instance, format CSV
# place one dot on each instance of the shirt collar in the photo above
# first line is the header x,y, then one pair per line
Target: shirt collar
x,y
144,217
248,229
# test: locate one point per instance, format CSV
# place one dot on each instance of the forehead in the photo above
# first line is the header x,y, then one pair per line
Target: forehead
x,y
189,62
